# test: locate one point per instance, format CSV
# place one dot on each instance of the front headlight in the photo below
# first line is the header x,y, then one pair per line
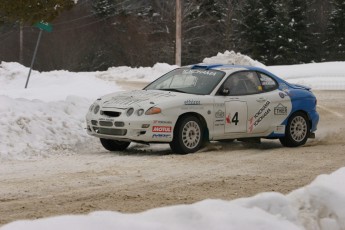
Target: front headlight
x,y
129,112
140,112
153,110
96,109
91,107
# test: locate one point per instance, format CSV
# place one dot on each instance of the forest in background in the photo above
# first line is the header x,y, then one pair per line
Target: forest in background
x,y
98,34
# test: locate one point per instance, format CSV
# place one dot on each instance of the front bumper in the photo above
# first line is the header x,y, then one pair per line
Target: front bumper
x,y
146,128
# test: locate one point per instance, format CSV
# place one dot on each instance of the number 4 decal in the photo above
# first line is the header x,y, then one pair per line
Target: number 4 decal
x,y
234,119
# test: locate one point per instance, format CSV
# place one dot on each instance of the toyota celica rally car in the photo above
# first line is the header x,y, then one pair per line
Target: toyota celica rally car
x,y
192,105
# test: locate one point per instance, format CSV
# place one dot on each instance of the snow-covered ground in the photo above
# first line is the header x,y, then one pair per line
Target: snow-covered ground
x,y
48,118
319,205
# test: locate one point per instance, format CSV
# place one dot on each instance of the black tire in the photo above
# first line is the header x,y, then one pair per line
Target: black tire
x,y
297,130
188,135
113,145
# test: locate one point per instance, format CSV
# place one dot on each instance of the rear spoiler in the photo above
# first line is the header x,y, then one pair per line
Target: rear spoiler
x,y
297,86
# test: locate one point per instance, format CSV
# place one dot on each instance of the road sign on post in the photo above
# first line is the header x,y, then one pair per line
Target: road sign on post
x,y
42,26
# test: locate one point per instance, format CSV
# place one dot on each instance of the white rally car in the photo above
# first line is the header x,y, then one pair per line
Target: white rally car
x,y
192,105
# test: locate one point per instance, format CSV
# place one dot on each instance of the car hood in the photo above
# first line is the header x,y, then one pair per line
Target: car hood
x,y
123,100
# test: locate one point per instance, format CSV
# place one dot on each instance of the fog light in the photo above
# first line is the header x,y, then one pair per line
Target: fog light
x,y
145,126
119,124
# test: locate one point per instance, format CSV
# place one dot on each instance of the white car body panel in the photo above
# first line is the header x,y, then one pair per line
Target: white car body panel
x,y
226,117
254,118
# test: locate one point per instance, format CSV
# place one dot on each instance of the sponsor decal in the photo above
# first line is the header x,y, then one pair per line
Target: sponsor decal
x,y
220,114
219,122
280,110
205,72
259,116
193,107
106,119
161,129
267,83
280,129
160,135
262,109
162,122
192,102
228,119
282,95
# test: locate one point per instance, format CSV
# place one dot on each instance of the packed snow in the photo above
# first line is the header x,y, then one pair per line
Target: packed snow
x,y
319,206
232,58
49,118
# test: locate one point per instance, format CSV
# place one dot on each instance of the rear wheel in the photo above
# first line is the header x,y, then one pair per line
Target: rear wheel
x,y
188,135
297,131
113,145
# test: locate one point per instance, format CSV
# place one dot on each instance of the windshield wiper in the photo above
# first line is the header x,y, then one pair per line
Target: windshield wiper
x,y
173,90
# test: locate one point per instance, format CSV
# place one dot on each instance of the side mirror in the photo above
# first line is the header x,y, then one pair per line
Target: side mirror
x,y
225,92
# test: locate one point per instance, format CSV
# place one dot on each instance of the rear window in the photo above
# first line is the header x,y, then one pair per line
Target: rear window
x,y
268,83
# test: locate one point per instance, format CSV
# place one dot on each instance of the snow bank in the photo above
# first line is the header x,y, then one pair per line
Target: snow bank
x,y
319,76
231,57
319,205
51,86
34,128
141,74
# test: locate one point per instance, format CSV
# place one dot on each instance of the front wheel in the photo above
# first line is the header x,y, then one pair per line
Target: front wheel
x,y
113,145
188,135
297,131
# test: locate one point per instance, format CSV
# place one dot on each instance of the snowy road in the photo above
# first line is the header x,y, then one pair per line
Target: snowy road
x,y
147,177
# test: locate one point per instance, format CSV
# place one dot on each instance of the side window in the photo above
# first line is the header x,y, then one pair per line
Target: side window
x,y
243,83
268,83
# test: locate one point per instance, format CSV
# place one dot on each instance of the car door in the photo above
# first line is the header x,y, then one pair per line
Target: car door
x,y
267,109
235,103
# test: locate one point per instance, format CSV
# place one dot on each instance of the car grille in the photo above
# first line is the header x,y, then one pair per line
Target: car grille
x,y
106,123
111,113
107,131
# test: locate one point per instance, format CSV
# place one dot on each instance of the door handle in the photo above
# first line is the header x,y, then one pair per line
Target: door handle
x,y
261,99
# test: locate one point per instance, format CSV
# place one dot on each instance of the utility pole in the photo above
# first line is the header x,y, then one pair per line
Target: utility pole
x,y
178,41
21,59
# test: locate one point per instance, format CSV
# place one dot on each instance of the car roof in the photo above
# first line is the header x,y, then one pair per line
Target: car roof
x,y
228,68
225,67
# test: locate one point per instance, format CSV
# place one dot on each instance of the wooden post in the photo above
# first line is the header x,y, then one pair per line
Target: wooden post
x,y
178,33
21,58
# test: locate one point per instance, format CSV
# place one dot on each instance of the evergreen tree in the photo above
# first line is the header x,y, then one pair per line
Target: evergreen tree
x,y
274,34
250,27
201,25
108,8
299,36
335,42
259,30
32,11
104,8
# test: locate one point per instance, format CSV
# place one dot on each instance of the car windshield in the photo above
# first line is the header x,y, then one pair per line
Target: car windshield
x,y
193,81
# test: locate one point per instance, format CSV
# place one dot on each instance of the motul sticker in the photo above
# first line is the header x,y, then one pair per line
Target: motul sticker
x,y
161,129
